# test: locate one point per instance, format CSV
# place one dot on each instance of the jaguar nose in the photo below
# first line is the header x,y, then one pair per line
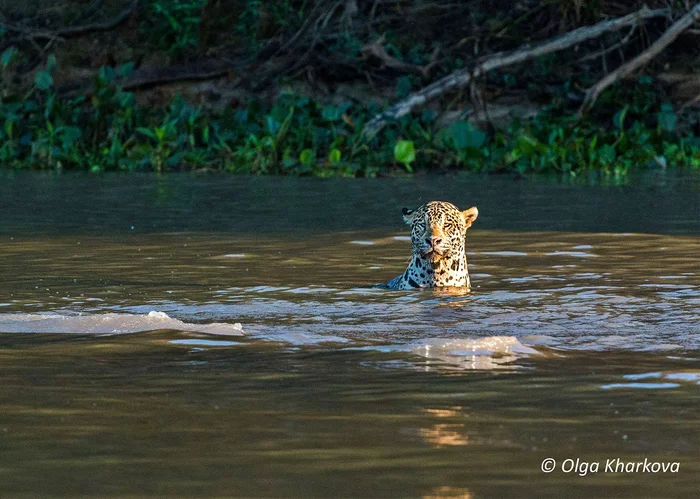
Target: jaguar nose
x,y
433,241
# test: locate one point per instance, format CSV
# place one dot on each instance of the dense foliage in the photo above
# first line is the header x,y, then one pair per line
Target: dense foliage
x,y
102,128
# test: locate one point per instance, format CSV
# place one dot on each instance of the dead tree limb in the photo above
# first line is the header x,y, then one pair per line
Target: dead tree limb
x,y
644,58
605,51
152,77
461,78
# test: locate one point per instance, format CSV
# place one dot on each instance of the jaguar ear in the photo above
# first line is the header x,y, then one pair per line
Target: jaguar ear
x,y
470,215
408,215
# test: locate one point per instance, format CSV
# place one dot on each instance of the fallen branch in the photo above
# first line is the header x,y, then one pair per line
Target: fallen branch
x,y
161,76
461,78
151,77
644,58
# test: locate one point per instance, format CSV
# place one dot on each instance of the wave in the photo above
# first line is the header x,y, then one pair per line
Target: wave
x,y
109,323
488,353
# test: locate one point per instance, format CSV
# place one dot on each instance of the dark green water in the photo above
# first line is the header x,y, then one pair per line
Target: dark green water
x,y
123,372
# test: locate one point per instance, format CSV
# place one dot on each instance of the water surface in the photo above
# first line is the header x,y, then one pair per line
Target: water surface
x,y
219,336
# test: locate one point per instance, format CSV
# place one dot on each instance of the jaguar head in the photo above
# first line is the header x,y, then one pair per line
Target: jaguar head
x,y
439,229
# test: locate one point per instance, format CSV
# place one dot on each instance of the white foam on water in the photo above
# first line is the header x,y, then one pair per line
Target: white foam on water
x,y
109,323
493,352
301,339
206,343
577,254
682,376
491,345
656,380
642,386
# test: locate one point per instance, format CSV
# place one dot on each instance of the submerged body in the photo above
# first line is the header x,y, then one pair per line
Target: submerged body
x,y
438,237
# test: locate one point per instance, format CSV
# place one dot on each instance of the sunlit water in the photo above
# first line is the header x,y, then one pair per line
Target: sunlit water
x,y
217,336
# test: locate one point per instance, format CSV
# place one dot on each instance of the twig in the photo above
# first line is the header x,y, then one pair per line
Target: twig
x,y
302,30
462,78
605,51
654,49
376,49
319,26
106,26
690,103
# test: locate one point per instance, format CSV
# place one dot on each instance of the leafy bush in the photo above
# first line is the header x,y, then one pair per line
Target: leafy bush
x,y
107,131
173,25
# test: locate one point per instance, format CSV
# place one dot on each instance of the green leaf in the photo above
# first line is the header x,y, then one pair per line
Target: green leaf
x,y
70,135
104,75
8,56
160,132
125,99
50,63
607,154
428,116
43,80
126,70
619,118
334,156
404,152
464,135
284,128
527,145
272,125
147,132
331,113
403,86
667,118
306,157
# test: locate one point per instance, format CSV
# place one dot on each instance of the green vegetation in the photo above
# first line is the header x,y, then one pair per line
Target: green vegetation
x,y
104,128
107,131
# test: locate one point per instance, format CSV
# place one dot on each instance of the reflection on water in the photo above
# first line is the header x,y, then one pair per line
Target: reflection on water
x,y
448,493
443,434
213,351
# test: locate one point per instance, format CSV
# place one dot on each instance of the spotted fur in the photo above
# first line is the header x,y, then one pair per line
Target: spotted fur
x,y
438,236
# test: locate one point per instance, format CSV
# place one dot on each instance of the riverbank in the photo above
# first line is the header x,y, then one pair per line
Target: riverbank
x,y
151,86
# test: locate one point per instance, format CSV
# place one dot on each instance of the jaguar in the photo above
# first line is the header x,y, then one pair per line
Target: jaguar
x,y
438,254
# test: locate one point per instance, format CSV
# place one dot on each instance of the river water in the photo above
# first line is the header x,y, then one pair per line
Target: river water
x,y
198,336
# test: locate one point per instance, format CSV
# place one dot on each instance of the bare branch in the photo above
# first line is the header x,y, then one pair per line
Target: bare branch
x,y
644,58
376,49
461,78
605,51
